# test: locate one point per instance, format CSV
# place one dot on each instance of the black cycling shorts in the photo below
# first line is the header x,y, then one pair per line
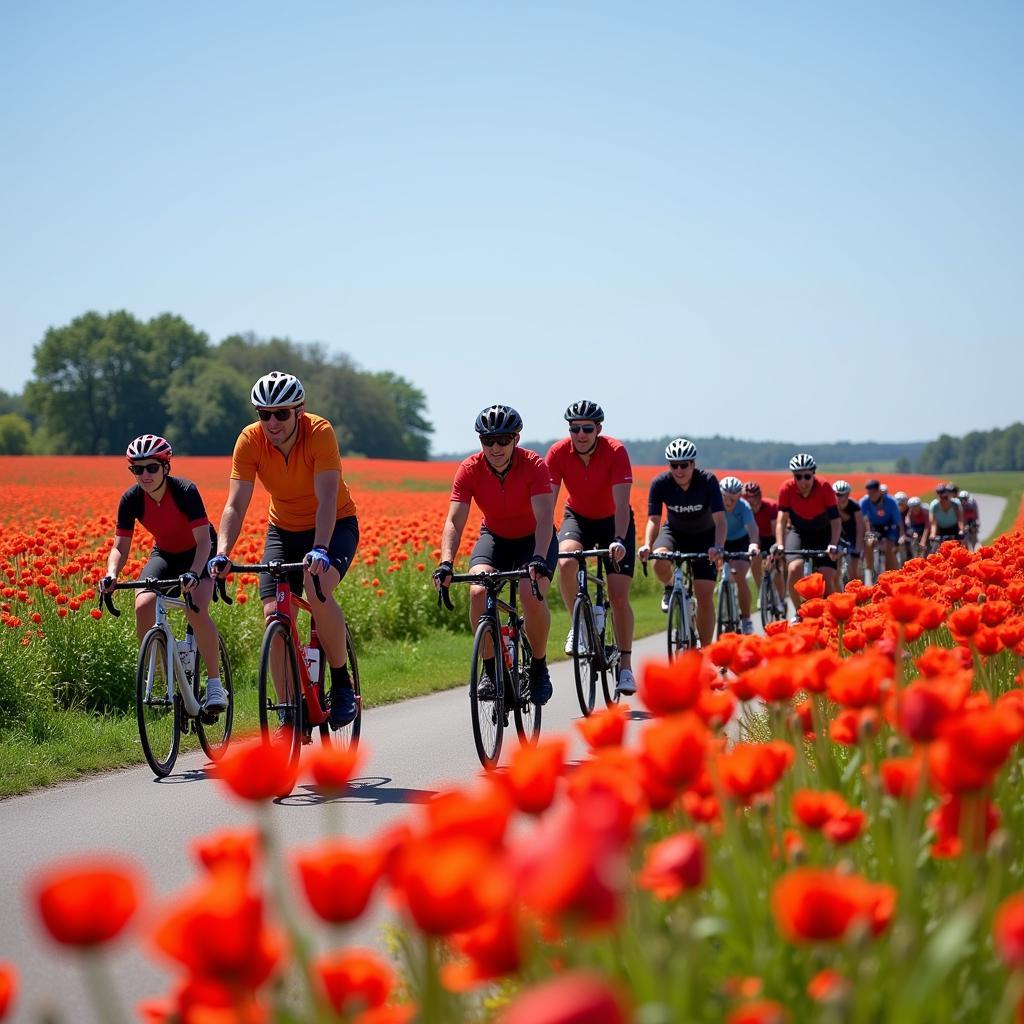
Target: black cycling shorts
x,y
811,542
294,545
599,533
739,546
507,553
691,544
164,565
766,544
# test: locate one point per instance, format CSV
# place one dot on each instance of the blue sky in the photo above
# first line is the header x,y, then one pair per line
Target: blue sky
x,y
650,205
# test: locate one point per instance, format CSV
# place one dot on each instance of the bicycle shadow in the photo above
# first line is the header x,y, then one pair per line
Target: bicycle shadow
x,y
192,775
371,789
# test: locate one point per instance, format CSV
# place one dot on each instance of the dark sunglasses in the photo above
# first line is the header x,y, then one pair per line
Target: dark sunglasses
x,y
149,467
680,465
279,414
587,428
490,440
803,476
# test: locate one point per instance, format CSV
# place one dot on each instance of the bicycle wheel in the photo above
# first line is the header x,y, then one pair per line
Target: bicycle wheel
x,y
677,639
527,714
157,704
348,735
771,604
279,658
215,735
584,654
488,715
609,671
728,607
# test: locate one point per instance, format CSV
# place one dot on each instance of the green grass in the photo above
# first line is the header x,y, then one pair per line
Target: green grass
x,y
1006,485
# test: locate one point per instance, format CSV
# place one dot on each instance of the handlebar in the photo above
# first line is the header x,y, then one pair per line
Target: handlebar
x,y
674,556
591,553
150,583
489,580
278,569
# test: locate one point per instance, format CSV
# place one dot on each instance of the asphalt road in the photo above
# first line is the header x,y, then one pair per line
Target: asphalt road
x,y
416,748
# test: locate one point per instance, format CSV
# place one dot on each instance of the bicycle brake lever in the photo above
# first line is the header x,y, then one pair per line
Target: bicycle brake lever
x,y
222,589
446,598
644,566
108,601
535,590
316,587
191,604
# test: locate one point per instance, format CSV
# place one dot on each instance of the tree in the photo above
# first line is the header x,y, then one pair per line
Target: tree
x,y
207,405
15,434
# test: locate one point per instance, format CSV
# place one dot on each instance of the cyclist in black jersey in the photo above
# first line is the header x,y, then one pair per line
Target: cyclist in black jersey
x,y
172,510
851,534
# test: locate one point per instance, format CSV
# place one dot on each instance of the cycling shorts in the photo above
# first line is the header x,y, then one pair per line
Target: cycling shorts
x,y
599,533
816,541
691,544
164,565
294,545
948,532
917,529
766,544
507,553
740,546
885,532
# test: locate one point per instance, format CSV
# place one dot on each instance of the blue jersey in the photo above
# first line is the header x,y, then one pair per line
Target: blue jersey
x,y
737,521
877,517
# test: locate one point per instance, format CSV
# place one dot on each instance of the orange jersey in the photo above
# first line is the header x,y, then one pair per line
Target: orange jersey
x,y
290,481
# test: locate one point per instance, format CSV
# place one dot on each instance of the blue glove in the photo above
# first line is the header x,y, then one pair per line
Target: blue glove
x,y
318,557
218,564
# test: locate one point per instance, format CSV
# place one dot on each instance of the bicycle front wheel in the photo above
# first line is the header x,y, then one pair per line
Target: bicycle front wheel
x,y
772,608
348,735
678,640
527,714
487,713
584,654
610,659
215,735
279,661
157,704
728,608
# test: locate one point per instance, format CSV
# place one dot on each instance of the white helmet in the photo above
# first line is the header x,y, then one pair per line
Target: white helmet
x,y
842,487
731,485
802,461
278,390
149,446
680,450
964,495
884,488
914,502
900,495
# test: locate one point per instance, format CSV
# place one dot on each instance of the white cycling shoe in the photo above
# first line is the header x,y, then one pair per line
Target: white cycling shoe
x,y
570,641
626,685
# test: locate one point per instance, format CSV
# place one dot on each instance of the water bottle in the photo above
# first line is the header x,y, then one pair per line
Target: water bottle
x,y
187,653
311,655
508,643
599,618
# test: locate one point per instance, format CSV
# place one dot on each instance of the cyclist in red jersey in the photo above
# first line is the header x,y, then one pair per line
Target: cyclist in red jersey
x,y
172,510
765,514
512,488
598,478
809,520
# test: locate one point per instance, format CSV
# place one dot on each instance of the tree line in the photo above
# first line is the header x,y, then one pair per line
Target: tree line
x,y
978,451
102,380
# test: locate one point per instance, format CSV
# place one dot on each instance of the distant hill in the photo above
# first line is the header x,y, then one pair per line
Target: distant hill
x,y
739,454
978,451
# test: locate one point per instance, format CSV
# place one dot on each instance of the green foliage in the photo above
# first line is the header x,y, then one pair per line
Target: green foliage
x,y
15,434
978,451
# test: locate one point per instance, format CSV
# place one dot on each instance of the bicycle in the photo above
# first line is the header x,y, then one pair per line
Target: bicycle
x,y
876,541
298,668
971,531
681,629
770,598
168,695
510,654
847,553
729,596
592,656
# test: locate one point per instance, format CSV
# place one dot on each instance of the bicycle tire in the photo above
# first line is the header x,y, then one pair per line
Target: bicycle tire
x,y
488,716
159,718
527,714
728,607
771,604
277,643
348,735
584,664
214,737
609,672
677,639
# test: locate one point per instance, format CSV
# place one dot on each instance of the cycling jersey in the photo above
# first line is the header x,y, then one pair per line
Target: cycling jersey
x,y
848,513
945,518
878,517
690,510
589,485
506,502
970,510
170,521
289,481
765,516
917,518
812,513
737,521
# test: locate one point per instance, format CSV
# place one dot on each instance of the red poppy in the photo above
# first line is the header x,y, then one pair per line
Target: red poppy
x,y
901,776
906,606
715,707
987,641
812,609
533,773
493,949
810,587
354,979
928,701
858,682
8,987
938,661
841,606
604,728
776,680
973,817
964,621
575,998
481,813
233,848
764,1011
847,726
202,1001
667,688
814,808
88,902
844,827
339,877
332,765
1008,931
752,768
674,747
828,985
819,905
256,769
673,865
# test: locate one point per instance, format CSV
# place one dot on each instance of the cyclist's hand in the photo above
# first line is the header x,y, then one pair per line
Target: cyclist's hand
x,y
107,584
188,581
776,549
219,565
617,550
715,554
832,550
538,569
643,552
442,575
754,551
317,562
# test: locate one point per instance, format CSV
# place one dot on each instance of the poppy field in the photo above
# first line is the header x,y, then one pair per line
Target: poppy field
x,y
822,824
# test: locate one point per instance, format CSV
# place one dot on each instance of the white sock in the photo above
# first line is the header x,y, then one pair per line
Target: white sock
x,y
213,681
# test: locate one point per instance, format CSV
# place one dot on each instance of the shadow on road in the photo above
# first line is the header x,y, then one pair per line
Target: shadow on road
x,y
372,789
192,775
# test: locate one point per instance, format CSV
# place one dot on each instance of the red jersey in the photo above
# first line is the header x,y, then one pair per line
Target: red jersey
x,y
813,512
589,485
765,518
505,502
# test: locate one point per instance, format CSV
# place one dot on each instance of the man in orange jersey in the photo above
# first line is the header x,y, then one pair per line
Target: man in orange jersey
x,y
312,515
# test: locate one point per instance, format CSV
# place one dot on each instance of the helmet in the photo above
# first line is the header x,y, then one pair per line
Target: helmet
x,y
680,450
900,495
914,502
884,488
872,485
802,461
499,419
842,487
942,487
149,446
731,485
964,495
585,410
277,390
751,487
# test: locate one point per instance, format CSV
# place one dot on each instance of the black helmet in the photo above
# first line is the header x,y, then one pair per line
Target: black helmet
x,y
499,419
585,410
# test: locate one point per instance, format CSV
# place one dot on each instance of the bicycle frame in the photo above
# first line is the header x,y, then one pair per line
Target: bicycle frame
x,y
681,584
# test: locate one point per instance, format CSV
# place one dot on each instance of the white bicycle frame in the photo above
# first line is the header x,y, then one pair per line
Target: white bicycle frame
x,y
173,668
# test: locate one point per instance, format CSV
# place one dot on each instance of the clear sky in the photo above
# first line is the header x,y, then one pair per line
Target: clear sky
x,y
651,205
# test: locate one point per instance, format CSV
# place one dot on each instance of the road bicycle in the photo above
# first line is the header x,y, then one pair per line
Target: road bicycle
x,y
681,629
808,556
510,655
299,669
168,694
971,532
770,599
935,541
729,595
876,542
847,553
593,656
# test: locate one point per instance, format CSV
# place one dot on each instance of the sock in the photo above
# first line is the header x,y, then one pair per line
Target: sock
x,y
490,669
213,681
340,677
538,664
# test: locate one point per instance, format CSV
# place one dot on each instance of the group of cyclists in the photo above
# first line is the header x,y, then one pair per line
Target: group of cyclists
x,y
312,519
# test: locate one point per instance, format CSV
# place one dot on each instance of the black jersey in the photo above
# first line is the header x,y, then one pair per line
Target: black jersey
x,y
689,510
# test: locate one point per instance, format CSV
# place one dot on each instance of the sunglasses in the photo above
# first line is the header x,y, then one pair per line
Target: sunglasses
x,y
490,440
587,428
278,414
680,465
150,467
803,476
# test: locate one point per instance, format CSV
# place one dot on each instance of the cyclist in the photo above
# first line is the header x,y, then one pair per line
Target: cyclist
x,y
512,488
740,539
696,524
598,478
172,510
916,522
945,516
313,520
851,532
972,523
808,519
765,514
883,522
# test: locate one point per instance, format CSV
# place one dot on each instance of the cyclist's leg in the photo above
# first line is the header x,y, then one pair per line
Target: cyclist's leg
x,y
145,600
741,568
664,542
890,548
828,567
704,591
536,613
570,538
329,618
794,566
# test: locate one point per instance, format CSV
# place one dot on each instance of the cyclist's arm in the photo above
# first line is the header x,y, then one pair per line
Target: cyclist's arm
x,y
451,533
118,555
720,529
781,525
231,519
651,530
544,512
858,518
960,518
325,485
837,529
620,493
203,548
